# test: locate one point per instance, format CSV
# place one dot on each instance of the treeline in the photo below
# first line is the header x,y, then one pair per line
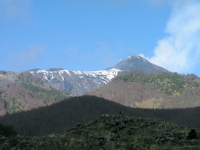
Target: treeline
x,y
112,132
68,113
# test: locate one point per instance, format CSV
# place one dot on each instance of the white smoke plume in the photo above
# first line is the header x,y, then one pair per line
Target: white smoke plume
x,y
179,51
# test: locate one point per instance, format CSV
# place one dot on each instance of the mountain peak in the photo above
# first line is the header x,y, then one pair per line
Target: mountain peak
x,y
138,63
136,57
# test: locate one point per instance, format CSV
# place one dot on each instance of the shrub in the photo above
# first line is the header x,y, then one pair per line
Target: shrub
x,y
7,131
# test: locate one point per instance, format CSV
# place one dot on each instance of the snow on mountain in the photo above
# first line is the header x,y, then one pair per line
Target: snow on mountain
x,y
76,82
81,82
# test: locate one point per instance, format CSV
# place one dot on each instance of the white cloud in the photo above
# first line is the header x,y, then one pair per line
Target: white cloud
x,y
179,51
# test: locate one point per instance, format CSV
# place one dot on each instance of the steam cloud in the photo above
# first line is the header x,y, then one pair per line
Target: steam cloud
x,y
180,50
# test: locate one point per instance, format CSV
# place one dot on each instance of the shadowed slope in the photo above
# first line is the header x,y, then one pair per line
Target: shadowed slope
x,y
66,114
113,132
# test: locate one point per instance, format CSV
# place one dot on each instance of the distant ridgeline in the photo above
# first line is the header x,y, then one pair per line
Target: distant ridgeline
x,y
171,83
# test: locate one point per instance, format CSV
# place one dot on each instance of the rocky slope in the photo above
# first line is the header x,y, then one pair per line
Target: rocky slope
x,y
158,90
138,63
75,82
23,91
81,82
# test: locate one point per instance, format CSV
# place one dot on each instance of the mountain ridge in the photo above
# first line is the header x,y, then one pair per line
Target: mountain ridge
x,y
81,82
76,82
35,87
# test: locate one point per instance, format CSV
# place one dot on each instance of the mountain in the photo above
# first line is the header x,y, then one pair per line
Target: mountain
x,y
152,90
80,82
23,91
36,87
75,82
138,63
111,132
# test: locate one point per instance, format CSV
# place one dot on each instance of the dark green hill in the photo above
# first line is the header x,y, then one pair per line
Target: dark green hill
x,y
68,113
112,132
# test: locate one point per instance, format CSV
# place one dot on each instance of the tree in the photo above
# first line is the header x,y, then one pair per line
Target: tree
x,y
192,134
7,130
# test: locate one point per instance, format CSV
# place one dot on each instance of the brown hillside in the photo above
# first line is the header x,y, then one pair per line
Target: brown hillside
x,y
23,91
146,94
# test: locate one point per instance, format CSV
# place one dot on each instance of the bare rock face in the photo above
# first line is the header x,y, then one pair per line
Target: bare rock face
x,y
132,63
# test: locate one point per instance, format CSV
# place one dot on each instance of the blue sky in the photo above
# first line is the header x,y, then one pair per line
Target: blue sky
x,y
93,35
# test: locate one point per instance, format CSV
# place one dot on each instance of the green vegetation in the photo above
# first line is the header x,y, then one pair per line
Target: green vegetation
x,y
49,96
12,105
112,132
28,92
171,83
56,118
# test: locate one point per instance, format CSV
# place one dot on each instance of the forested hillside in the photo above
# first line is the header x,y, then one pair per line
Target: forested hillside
x,y
152,90
170,83
66,114
112,132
